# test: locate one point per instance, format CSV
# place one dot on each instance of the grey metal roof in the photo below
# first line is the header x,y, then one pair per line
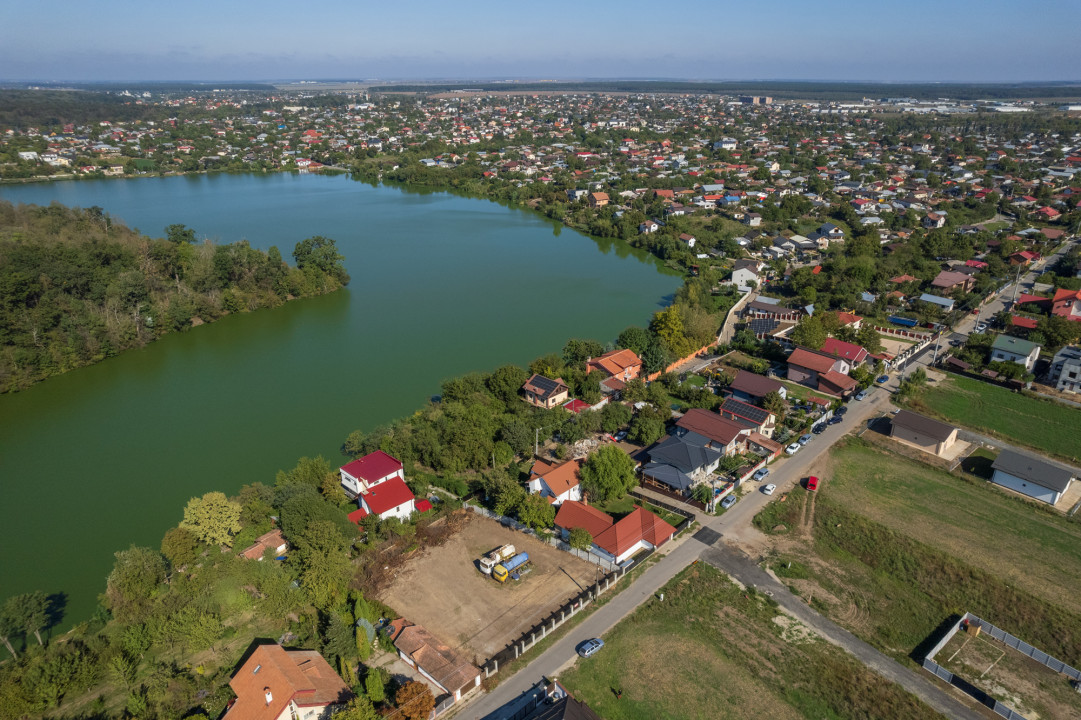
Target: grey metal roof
x,y
923,425
1041,472
668,475
683,456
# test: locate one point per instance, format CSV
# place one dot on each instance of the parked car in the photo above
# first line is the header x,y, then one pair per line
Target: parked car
x,y
590,646
883,379
819,428
862,394
761,474
729,501
982,327
835,420
812,483
792,449
621,436
768,489
805,438
841,410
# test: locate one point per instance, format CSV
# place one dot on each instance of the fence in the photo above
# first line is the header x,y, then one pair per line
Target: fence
x,y
1005,638
538,632
909,334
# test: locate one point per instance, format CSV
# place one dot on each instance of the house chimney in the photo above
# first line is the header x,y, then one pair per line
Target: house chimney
x,y
269,696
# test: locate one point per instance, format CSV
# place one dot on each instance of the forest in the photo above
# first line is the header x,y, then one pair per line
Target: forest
x,y
77,287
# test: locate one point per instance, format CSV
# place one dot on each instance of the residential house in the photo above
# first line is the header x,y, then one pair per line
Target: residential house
x,y
745,272
759,419
770,308
447,668
690,454
688,240
1007,348
853,354
378,484
598,200
934,220
1066,369
279,684
1031,476
752,219
752,387
272,540
556,482
949,281
623,364
820,371
1067,304
712,430
545,392
923,432
649,226
614,541
546,700
944,303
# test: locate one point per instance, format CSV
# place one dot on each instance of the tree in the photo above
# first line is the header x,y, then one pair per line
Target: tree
x,y
506,382
414,700
774,403
634,338
321,253
576,352
9,625
29,612
133,582
308,471
180,547
608,473
667,324
213,518
375,684
536,512
340,640
322,557
703,493
359,708
809,332
179,233
614,415
869,339
580,539
647,427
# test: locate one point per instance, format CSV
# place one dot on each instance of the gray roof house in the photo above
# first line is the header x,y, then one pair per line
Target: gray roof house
x,y
1037,478
923,432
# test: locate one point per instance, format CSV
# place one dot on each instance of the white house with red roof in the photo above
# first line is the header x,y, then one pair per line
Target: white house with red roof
x,y
614,541
378,483
557,483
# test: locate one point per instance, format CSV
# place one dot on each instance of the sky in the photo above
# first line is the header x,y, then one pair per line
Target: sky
x,y
241,40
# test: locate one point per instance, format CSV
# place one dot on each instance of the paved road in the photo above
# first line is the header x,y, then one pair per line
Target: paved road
x,y
740,567
705,544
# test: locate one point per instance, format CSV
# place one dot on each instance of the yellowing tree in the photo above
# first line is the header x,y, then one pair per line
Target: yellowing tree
x,y
213,518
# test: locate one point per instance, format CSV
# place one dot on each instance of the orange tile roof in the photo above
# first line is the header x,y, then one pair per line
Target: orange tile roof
x,y
639,525
445,665
559,478
573,514
615,362
810,360
301,676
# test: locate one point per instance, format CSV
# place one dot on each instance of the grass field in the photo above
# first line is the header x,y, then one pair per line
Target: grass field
x,y
625,506
1041,424
711,650
896,547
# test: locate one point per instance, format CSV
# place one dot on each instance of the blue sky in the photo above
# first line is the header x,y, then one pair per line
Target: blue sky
x,y
947,40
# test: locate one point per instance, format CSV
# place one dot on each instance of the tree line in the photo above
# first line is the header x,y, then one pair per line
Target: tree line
x,y
77,286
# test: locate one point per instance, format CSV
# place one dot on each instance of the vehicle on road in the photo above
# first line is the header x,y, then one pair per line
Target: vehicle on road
x,y
981,327
804,439
729,501
819,428
862,394
882,379
761,474
590,646
768,489
841,410
792,449
835,420
812,483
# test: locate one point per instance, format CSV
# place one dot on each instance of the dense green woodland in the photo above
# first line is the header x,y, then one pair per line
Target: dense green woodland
x,y
77,287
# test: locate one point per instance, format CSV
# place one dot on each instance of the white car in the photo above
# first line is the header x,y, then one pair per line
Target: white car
x,y
768,489
792,449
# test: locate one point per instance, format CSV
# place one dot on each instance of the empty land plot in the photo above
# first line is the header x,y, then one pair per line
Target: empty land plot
x,y
893,345
711,650
1028,687
973,522
443,590
1041,424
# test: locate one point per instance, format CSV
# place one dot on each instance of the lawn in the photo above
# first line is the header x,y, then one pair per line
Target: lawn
x,y
625,506
890,548
711,650
1040,424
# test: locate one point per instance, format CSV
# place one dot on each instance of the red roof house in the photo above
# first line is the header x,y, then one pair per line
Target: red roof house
x,y
378,483
615,541
854,354
274,683
1067,304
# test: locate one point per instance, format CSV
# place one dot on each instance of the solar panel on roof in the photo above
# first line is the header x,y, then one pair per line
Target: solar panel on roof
x,y
545,384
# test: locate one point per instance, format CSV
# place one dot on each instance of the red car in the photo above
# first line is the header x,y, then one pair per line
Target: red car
x,y
812,483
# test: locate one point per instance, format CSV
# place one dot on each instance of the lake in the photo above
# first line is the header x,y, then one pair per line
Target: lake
x,y
107,456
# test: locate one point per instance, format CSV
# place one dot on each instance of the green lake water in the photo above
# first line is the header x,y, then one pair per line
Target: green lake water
x,y
106,456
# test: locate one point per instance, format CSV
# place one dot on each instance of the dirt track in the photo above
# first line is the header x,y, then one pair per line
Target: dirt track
x,y
443,590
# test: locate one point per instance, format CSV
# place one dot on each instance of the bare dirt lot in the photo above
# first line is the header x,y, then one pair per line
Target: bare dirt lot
x,y
443,590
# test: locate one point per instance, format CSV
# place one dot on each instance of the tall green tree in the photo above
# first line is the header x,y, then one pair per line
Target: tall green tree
x,y
322,254
809,332
322,558
536,512
213,518
580,539
359,708
135,579
9,626
608,473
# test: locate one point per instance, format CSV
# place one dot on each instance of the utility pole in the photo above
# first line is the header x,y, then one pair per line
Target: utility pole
x,y
1016,283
